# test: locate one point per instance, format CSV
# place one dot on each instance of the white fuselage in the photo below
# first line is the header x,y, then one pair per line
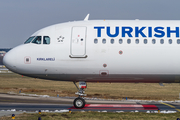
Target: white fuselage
x,y
102,51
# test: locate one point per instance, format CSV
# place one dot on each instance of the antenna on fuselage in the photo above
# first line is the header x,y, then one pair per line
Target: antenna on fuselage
x,y
86,18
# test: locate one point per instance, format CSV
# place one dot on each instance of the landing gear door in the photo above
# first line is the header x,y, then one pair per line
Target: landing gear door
x,y
78,42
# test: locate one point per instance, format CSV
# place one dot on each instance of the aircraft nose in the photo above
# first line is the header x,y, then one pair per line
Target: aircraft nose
x,y
9,61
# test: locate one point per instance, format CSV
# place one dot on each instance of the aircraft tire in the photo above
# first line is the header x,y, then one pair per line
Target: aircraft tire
x,y
79,102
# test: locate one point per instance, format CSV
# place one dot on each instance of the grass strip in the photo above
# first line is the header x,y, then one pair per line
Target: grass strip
x,y
96,116
142,91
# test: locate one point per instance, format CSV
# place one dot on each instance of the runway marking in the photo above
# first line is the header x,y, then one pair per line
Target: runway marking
x,y
171,106
103,105
119,107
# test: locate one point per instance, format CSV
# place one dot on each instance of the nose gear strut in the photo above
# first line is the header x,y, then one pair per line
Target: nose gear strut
x,y
80,102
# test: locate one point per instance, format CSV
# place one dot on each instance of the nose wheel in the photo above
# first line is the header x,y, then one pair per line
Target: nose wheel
x,y
80,102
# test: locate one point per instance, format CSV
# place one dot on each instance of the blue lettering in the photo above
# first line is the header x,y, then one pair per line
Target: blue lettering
x,y
169,31
159,30
139,31
127,30
46,59
150,31
113,35
99,30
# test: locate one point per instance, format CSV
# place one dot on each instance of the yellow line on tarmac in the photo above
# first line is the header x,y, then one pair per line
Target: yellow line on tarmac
x,y
178,110
171,106
168,105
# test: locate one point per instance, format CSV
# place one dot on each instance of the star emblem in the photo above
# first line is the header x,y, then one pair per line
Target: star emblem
x,y
60,39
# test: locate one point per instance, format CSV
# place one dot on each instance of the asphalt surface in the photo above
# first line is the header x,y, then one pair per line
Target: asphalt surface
x,y
16,104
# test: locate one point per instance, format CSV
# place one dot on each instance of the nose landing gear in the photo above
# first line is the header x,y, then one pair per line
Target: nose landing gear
x,y
80,102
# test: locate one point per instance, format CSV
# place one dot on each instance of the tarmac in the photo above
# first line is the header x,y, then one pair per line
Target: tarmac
x,y
20,103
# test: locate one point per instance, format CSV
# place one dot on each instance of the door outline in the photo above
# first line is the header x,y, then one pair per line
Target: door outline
x,y
78,35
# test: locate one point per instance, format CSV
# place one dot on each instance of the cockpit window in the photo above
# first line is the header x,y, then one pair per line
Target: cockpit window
x,y
37,40
29,40
46,40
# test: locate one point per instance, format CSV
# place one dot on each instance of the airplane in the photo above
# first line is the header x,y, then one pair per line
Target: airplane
x,y
127,51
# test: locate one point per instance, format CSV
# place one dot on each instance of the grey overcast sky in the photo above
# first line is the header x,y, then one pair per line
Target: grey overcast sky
x,y
21,18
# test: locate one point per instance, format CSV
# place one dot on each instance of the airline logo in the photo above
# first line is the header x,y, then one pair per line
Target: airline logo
x,y
127,31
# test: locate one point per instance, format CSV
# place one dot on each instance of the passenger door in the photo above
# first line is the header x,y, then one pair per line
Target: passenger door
x,y
78,42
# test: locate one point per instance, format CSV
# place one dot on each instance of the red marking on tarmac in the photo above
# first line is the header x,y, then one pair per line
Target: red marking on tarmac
x,y
118,107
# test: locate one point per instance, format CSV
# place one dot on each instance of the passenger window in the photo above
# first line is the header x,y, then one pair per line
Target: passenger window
x,y
153,41
137,41
37,40
46,40
29,40
104,41
129,41
170,41
178,41
145,41
120,41
95,41
112,41
162,41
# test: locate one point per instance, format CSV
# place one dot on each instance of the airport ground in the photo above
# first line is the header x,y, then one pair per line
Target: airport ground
x,y
54,108
11,84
